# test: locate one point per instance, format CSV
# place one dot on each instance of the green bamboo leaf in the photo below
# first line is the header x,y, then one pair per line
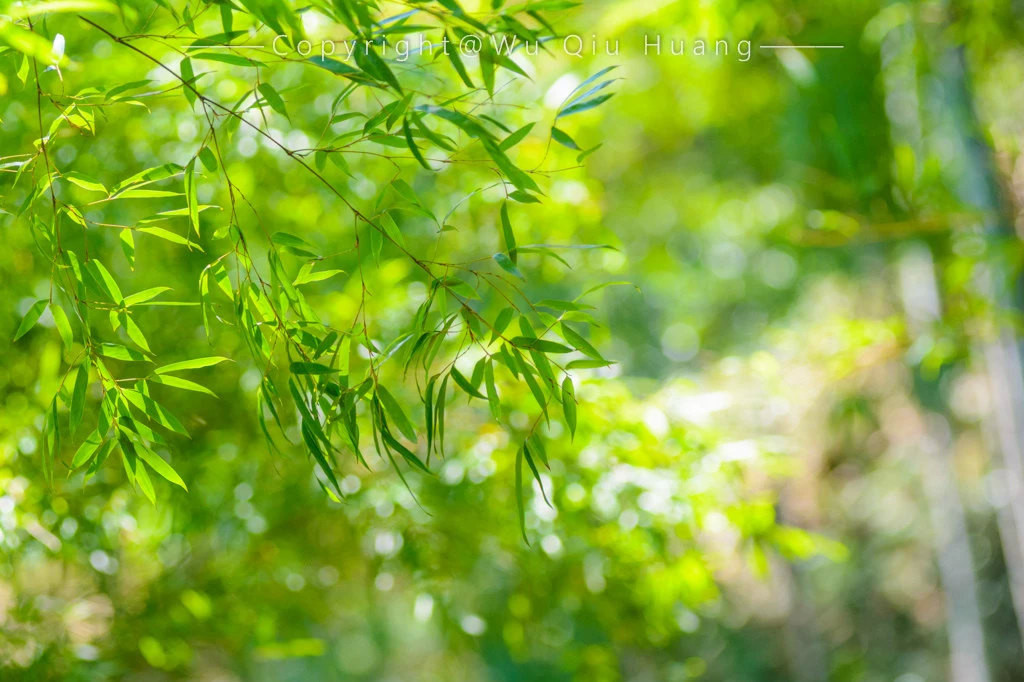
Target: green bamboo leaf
x,y
456,60
492,392
542,345
144,295
507,265
103,279
589,364
147,194
487,62
168,236
155,411
517,177
30,319
307,275
562,138
77,407
159,465
334,66
191,195
372,63
587,152
178,382
209,159
294,245
428,414
87,449
515,138
569,405
188,77
376,242
391,228
591,79
311,368
119,352
147,176
535,472
579,343
60,320
309,436
85,182
506,231
520,504
501,323
397,414
195,363
595,89
523,197
273,98
439,411
407,454
144,482
127,241
584,105
531,381
233,59
135,334
465,385
412,145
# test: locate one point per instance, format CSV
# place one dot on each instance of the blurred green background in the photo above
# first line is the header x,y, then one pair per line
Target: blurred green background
x,y
806,464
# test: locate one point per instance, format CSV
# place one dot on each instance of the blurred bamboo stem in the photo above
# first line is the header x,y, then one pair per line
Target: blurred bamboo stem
x,y
979,187
965,631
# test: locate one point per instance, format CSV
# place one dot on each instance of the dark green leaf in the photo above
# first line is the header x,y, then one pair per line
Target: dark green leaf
x,y
312,368
465,385
562,138
569,405
77,406
397,414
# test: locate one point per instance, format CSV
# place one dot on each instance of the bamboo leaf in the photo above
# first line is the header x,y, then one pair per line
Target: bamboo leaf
x,y
30,319
144,295
195,363
520,504
562,138
569,405
397,414
77,407
273,98
86,450
60,320
541,345
492,392
465,385
506,231
191,195
412,145
178,382
507,265
159,465
312,368
103,279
